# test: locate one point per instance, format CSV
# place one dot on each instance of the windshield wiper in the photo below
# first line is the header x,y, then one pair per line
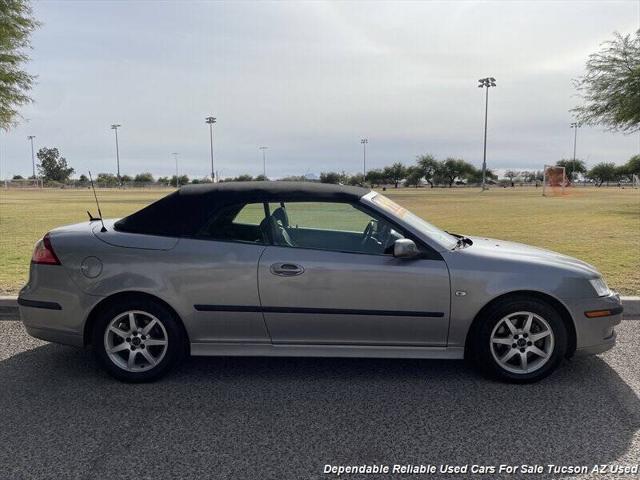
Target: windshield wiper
x,y
461,240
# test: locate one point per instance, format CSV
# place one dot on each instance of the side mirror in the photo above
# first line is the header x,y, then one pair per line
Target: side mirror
x,y
405,248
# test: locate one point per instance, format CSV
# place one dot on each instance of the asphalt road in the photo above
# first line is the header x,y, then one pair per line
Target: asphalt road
x,y
272,418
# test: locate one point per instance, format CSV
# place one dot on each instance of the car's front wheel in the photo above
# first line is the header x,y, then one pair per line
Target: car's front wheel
x,y
137,340
519,340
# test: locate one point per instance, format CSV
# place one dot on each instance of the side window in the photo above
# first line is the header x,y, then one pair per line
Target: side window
x,y
250,214
330,226
241,223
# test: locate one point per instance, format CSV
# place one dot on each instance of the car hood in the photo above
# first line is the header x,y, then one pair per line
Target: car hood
x,y
514,251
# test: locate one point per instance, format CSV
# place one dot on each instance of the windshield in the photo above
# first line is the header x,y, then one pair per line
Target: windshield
x,y
440,236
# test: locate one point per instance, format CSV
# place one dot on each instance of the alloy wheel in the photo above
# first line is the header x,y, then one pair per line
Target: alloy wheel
x,y
522,342
136,341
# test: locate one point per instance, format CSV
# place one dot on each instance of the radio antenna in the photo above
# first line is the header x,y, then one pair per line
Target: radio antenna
x,y
103,229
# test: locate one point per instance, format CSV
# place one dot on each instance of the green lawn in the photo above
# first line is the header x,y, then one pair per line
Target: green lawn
x,y
600,226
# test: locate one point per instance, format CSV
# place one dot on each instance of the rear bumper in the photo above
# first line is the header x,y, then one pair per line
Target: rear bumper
x,y
52,307
23,302
53,324
56,336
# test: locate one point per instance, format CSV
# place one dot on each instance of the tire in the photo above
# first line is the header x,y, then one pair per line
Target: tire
x,y
519,340
139,352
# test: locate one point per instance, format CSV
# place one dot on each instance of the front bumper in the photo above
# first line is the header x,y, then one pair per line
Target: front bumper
x,y
595,335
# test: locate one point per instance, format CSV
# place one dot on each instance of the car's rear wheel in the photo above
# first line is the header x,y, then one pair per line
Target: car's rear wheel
x,y
137,340
519,340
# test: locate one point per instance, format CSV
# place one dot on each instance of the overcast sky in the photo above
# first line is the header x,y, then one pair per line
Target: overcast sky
x,y
308,80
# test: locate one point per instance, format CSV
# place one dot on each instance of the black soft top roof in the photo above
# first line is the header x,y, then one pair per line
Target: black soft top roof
x,y
186,209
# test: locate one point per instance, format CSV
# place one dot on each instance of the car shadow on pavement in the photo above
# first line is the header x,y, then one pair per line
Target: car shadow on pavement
x,y
259,418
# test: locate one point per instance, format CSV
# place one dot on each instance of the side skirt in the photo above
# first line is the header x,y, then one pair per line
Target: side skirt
x,y
350,351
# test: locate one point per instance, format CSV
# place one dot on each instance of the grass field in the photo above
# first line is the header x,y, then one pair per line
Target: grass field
x,y
600,226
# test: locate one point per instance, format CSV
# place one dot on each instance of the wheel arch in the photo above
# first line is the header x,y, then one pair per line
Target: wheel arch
x,y
528,294
124,296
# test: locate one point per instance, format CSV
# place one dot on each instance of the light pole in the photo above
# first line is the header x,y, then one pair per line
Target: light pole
x,y
33,158
364,142
264,161
211,121
485,83
575,126
175,157
115,127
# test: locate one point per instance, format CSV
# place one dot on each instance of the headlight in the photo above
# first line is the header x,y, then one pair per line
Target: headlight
x,y
600,286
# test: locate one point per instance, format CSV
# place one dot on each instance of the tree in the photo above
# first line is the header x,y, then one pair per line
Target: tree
x,y
603,172
414,176
395,173
294,178
125,179
83,179
572,168
631,168
528,176
52,166
181,180
107,180
511,174
197,181
375,177
163,180
453,169
475,175
539,176
355,180
611,86
17,177
633,165
261,178
429,166
241,178
330,177
144,177
16,26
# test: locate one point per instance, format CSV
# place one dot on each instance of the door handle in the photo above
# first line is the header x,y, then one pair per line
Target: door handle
x,y
286,269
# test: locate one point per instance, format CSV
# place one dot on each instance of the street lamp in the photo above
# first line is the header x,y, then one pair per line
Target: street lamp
x,y
364,142
175,157
115,127
211,121
264,161
485,83
575,126
33,158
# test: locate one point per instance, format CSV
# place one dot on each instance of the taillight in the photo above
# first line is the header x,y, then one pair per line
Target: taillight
x,y
43,252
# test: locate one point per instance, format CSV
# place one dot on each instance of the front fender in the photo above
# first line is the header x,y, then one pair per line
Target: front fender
x,y
476,281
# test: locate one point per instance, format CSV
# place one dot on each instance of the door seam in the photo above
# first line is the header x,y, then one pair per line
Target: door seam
x,y
264,320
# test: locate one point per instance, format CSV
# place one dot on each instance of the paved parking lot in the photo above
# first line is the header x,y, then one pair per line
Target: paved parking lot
x,y
258,418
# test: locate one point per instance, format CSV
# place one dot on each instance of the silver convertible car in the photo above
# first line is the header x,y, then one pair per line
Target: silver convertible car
x,y
306,269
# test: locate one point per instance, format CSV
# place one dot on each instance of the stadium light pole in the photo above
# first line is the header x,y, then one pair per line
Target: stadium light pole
x,y
33,158
211,121
364,142
264,161
175,157
115,127
485,83
575,126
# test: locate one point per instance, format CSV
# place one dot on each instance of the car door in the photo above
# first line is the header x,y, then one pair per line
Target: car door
x,y
214,274
323,283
